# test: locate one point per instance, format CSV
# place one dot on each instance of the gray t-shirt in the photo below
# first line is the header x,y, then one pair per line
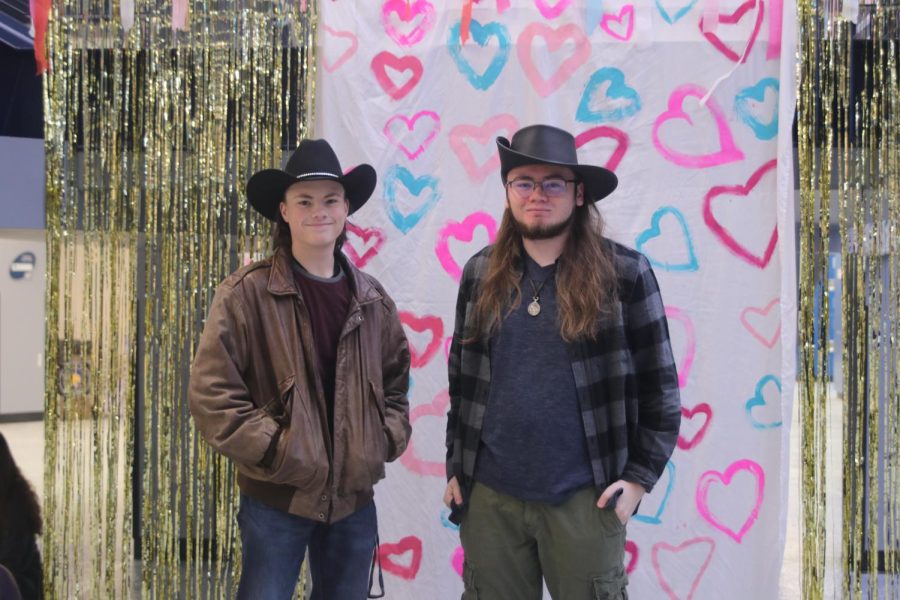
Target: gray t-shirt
x,y
533,445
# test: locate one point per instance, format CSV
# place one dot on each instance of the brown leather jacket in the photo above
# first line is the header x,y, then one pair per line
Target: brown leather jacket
x,y
255,372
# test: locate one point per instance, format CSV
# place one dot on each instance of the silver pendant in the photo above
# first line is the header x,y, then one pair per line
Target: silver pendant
x,y
534,309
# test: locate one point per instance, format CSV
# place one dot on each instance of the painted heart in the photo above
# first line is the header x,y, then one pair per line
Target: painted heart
x,y
457,560
430,324
552,10
600,132
482,34
620,26
759,401
743,466
555,38
333,35
761,324
619,102
384,65
399,127
727,237
682,238
689,348
752,100
410,458
445,520
680,11
733,19
419,14
686,442
699,547
447,342
483,135
631,552
776,16
464,231
362,243
402,558
661,497
405,221
728,152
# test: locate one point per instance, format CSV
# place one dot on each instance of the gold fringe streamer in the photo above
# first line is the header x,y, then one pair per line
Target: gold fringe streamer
x,y
150,136
848,163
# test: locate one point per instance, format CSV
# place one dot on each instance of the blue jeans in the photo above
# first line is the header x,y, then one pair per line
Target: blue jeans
x,y
274,543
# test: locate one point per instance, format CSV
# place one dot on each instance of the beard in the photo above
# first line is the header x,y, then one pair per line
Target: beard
x,y
543,231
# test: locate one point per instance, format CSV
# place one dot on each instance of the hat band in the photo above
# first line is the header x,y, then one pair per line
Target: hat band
x,y
318,174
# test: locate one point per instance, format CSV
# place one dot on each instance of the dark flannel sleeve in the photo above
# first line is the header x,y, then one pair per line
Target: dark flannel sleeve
x,y
659,403
454,454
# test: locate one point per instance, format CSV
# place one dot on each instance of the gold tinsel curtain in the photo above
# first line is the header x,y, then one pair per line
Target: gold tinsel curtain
x,y
848,134
150,134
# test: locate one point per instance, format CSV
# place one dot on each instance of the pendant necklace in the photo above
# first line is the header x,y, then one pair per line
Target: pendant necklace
x,y
534,308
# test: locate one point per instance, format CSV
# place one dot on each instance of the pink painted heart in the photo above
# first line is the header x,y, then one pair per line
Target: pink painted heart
x,y
331,40
728,152
400,127
555,38
410,457
617,135
689,349
733,19
631,551
402,558
619,26
760,323
743,466
447,343
387,66
416,17
362,243
429,323
690,547
757,259
483,135
457,560
686,442
464,231
550,10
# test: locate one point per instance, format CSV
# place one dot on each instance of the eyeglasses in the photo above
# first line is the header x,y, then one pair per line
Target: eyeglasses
x,y
552,187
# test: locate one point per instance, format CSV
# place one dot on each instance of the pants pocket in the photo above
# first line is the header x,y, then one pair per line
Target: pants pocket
x,y
611,586
470,592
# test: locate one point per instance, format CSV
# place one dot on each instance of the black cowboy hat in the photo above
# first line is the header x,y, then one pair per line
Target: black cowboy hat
x,y
546,145
312,160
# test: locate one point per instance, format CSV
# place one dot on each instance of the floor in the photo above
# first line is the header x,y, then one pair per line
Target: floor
x,y
27,443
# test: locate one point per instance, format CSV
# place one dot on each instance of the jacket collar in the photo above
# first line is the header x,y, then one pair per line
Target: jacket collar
x,y
281,278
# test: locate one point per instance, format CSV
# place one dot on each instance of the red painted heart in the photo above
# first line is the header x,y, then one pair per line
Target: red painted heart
x,y
620,137
386,66
429,323
733,19
686,443
362,243
389,554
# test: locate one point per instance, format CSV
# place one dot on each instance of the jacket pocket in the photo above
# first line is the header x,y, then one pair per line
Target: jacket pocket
x,y
376,432
364,443
301,459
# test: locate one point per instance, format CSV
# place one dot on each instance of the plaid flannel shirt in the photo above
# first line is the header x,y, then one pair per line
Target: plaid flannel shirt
x,y
625,379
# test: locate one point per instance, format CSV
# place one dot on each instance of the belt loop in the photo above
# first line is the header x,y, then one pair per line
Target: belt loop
x,y
376,558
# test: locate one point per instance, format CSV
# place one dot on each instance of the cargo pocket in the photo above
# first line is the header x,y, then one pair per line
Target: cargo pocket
x,y
470,592
611,586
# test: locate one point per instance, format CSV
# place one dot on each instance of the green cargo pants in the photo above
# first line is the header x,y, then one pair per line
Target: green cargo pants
x,y
511,545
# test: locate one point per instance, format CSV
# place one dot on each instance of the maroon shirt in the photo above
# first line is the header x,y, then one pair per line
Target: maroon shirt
x,y
327,301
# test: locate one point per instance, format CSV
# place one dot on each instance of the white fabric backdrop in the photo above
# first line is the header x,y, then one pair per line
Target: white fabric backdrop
x,y
656,90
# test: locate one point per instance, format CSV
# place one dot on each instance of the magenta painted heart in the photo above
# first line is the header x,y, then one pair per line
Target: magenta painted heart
x,y
552,10
464,231
728,152
714,477
387,67
732,19
604,131
757,259
417,19
485,134
555,38
362,243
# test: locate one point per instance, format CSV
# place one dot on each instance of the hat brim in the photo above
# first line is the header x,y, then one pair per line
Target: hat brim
x,y
266,188
599,182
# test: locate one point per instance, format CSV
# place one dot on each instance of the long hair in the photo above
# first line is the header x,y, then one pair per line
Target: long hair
x,y
18,502
586,284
